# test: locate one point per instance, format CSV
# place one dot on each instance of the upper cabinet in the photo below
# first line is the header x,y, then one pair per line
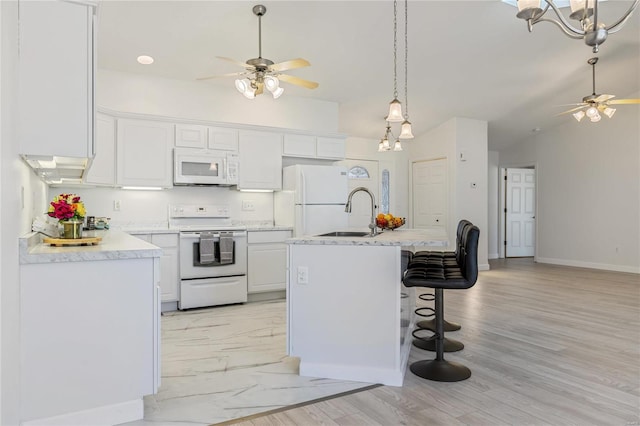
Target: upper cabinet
x,y
56,88
199,136
310,146
103,166
260,155
145,153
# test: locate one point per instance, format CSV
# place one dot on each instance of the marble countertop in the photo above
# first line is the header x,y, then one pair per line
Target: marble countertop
x,y
114,245
398,237
164,228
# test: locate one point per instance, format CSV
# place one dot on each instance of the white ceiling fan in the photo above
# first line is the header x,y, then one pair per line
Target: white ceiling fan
x,y
594,104
262,72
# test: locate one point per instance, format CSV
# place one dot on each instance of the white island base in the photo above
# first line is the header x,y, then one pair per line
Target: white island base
x,y
352,318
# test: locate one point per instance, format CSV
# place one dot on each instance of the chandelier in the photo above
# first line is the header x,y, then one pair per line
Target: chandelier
x,y
585,12
395,107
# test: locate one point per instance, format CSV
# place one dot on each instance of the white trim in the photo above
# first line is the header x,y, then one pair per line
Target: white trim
x,y
591,265
484,267
106,415
494,255
356,373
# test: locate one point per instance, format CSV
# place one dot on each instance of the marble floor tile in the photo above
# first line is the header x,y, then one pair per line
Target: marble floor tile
x,y
229,362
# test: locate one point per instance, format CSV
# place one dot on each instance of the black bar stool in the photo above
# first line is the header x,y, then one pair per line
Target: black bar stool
x,y
445,275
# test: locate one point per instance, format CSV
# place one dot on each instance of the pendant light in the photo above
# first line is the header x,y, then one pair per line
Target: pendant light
x,y
405,131
395,107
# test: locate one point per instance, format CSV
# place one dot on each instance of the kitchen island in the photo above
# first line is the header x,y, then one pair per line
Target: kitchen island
x,y
348,315
89,330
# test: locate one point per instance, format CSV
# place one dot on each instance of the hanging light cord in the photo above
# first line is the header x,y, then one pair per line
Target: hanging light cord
x,y
406,53
395,45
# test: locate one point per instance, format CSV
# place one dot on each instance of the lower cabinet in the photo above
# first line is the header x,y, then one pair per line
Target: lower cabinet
x,y
169,274
267,258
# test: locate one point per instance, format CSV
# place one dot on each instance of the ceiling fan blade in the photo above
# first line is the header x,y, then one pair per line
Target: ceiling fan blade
x,y
289,65
624,101
242,64
232,74
604,97
571,110
298,81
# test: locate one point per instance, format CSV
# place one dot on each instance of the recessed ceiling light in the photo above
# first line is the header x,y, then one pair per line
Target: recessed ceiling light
x,y
145,60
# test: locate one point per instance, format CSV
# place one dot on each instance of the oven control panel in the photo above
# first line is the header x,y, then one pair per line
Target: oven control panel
x,y
199,210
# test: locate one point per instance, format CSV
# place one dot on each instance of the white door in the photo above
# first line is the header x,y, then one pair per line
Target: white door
x,y
362,173
430,194
520,212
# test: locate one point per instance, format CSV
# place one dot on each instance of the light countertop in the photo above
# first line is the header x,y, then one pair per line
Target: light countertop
x,y
114,245
398,237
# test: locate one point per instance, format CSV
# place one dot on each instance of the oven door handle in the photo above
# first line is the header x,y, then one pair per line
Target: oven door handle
x,y
195,235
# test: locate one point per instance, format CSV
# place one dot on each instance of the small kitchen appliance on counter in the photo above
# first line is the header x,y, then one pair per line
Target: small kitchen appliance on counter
x,y
213,256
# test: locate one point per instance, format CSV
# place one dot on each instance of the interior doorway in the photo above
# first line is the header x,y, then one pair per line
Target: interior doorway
x,y
519,212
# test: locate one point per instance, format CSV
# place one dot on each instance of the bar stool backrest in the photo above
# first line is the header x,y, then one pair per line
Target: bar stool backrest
x,y
468,261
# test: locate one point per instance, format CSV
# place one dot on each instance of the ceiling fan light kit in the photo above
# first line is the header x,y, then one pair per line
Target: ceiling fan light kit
x,y
263,73
594,104
593,32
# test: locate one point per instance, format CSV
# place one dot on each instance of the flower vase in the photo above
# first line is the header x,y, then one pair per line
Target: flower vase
x,y
71,229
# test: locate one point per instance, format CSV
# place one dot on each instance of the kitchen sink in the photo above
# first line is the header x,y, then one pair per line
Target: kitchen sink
x,y
346,234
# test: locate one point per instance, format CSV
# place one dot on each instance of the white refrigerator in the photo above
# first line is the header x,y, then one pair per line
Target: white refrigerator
x,y
312,199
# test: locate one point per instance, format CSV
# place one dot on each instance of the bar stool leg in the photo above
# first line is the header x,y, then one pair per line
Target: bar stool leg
x,y
439,369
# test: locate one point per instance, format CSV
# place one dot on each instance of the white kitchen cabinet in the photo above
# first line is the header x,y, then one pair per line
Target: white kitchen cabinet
x,y
103,167
56,88
224,138
330,147
267,260
209,137
86,323
191,136
145,153
169,261
310,146
299,145
260,155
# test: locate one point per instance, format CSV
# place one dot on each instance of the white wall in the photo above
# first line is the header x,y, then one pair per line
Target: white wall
x,y
136,93
150,207
494,190
449,140
588,191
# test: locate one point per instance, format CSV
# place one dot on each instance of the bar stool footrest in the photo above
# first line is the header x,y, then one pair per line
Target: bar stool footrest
x,y
450,345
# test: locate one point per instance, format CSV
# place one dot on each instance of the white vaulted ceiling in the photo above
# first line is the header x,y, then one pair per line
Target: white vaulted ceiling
x,y
471,59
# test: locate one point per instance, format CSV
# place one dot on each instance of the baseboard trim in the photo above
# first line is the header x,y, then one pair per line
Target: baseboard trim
x,y
106,415
590,265
484,267
494,256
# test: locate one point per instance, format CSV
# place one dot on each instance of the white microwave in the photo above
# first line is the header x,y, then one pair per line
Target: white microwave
x,y
204,167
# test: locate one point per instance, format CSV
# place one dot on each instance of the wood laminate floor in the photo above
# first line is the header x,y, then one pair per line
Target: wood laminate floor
x,y
547,345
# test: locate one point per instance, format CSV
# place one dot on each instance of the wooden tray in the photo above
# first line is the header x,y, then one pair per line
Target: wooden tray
x,y
60,242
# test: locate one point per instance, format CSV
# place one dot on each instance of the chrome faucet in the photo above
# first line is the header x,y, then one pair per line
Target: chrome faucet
x,y
347,208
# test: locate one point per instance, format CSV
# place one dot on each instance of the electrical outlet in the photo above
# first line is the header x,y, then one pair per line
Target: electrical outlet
x,y
303,275
116,205
248,206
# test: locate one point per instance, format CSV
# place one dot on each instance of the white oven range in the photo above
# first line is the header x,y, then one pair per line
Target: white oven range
x,y
213,256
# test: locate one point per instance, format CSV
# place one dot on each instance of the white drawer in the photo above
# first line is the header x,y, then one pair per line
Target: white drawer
x,y
164,240
257,237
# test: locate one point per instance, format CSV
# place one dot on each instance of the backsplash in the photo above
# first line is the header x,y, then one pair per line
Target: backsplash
x,y
150,208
